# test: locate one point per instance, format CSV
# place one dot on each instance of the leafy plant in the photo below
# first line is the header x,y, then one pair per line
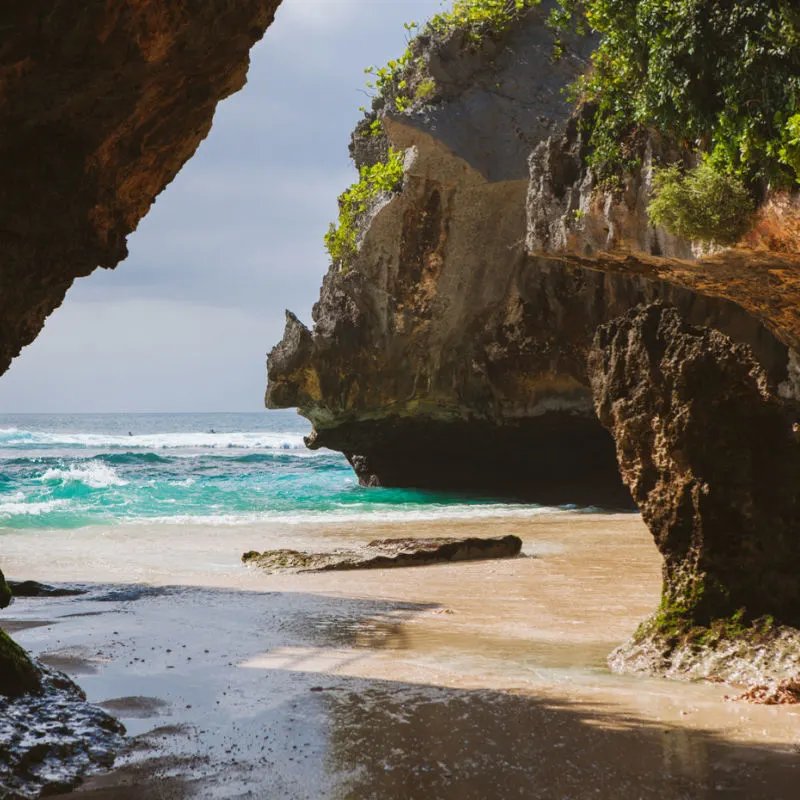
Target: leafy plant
x,y
719,76
425,89
701,204
378,179
789,152
477,17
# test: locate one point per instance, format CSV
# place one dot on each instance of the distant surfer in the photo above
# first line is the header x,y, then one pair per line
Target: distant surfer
x,y
213,431
130,433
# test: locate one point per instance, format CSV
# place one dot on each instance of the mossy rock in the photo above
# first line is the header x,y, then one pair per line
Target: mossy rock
x,y
5,591
18,674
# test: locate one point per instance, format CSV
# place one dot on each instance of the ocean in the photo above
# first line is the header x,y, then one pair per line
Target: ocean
x,y
67,471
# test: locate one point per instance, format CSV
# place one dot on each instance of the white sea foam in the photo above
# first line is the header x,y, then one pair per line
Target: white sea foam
x,y
93,474
368,514
255,440
18,506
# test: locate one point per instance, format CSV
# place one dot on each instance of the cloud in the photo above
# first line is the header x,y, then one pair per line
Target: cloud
x,y
144,355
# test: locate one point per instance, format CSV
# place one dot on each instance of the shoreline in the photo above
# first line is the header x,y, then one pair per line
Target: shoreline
x,y
177,637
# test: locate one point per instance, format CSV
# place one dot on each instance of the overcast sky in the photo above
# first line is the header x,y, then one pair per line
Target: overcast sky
x,y
185,322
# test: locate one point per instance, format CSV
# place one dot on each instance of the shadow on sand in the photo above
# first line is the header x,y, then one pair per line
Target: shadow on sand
x,y
252,711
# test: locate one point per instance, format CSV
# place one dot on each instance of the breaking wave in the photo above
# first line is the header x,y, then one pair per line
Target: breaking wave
x,y
253,440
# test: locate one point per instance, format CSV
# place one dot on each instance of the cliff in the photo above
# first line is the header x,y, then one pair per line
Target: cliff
x,y
100,107
451,342
449,351
707,453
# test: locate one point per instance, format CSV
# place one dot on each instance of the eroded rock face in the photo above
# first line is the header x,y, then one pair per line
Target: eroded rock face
x,y
708,454
99,109
448,356
386,553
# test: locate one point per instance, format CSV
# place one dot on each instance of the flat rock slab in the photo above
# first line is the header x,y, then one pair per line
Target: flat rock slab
x,y
36,589
383,553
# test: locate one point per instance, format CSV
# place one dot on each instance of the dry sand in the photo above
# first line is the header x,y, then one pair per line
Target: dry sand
x,y
477,680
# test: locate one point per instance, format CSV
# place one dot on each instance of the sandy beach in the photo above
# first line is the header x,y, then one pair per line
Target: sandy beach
x,y
478,680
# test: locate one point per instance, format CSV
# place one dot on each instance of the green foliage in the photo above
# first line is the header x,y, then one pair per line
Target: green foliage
x,y
720,76
789,152
425,89
476,17
702,204
340,240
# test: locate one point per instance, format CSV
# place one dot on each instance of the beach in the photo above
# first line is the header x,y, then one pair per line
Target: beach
x,y
476,680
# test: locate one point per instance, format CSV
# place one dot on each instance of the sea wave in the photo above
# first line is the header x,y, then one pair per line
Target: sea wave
x,y
93,474
345,515
16,438
18,506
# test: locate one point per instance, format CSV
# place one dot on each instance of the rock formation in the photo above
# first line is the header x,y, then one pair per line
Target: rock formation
x,y
18,674
450,351
710,460
708,454
386,553
99,110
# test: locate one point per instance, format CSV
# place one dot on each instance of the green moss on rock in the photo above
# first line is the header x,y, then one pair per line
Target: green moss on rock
x,y
18,674
5,592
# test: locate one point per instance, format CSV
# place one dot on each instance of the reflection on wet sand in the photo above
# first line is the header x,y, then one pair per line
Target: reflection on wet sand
x,y
472,682
393,741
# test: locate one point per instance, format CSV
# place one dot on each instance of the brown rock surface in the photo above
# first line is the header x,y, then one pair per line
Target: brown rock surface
x,y
100,107
708,454
385,553
451,353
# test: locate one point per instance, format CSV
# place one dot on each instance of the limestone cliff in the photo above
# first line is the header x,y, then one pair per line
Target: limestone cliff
x,y
450,352
710,460
100,107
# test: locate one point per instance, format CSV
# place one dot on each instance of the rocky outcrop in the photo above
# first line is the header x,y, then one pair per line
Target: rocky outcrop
x,y
36,589
5,592
451,352
52,738
386,553
99,109
710,458
18,674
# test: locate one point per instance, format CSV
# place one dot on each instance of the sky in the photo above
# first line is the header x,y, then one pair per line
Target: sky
x,y
185,322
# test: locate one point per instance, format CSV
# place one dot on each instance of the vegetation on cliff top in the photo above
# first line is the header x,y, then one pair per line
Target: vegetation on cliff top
x,y
373,181
477,18
718,77
701,204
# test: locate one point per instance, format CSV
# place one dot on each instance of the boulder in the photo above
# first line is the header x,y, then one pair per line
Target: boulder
x,y
383,553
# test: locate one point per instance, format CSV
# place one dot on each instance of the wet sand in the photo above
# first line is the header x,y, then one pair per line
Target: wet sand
x,y
477,680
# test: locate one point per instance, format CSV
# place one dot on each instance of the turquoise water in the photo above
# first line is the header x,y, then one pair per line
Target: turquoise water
x,y
68,471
